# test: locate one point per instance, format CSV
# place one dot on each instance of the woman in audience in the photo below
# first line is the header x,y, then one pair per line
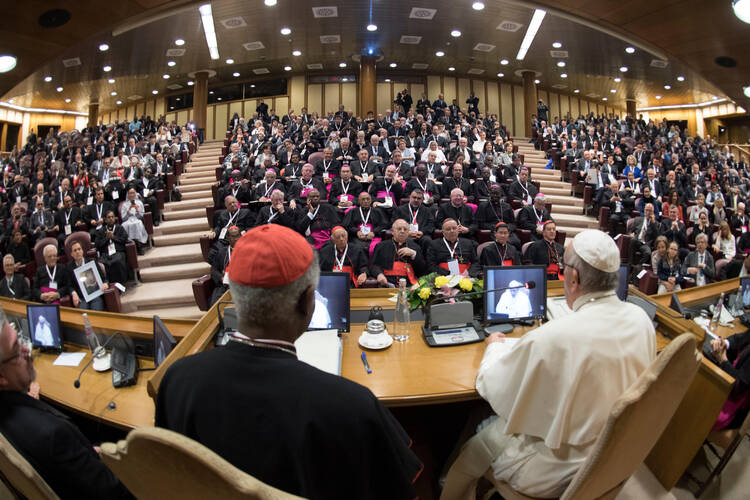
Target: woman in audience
x,y
632,167
724,243
669,273
131,213
695,210
163,137
701,227
673,198
660,250
432,147
487,151
718,214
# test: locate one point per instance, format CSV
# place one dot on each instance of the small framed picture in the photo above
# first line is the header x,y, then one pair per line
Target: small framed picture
x,y
90,280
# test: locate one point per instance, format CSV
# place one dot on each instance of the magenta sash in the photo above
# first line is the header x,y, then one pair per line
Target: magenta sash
x,y
320,237
305,191
473,208
733,404
383,194
45,289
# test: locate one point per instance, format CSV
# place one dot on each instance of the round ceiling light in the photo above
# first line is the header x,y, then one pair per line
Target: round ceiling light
x,y
230,61
630,50
270,3
680,78
623,69
746,91
235,74
504,62
372,27
67,99
387,79
604,98
113,93
286,31
107,69
477,5
190,83
440,53
392,65
560,64
451,68
296,53
165,76
171,63
618,79
613,90
104,47
576,91
59,89
111,80
287,68
343,65
742,10
455,33
557,45
179,42
563,75
658,96
47,78
500,75
118,101
537,82
667,87
154,91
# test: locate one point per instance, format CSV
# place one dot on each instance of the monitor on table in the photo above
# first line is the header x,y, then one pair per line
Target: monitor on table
x,y
331,303
44,326
622,287
164,342
745,291
523,303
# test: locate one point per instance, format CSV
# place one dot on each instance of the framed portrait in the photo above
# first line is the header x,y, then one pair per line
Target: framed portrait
x,y
90,280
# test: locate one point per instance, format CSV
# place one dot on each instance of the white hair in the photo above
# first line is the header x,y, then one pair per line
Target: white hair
x,y
48,248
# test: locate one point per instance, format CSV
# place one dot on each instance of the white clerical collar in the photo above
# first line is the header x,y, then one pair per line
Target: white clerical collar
x,y
591,297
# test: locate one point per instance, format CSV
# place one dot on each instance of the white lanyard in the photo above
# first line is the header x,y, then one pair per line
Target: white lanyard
x,y
413,215
54,272
452,252
234,191
538,218
345,189
229,256
364,219
326,167
423,186
524,189
315,213
268,190
273,214
67,216
340,262
387,187
232,217
10,286
99,211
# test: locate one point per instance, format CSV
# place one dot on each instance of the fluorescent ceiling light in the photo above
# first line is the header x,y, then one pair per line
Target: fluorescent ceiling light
x,y
42,110
207,19
536,21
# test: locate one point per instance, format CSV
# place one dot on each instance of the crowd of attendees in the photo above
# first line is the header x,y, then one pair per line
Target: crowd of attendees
x,y
102,181
453,178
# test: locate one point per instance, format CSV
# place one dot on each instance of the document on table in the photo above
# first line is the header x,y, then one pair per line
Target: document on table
x,y
321,349
69,359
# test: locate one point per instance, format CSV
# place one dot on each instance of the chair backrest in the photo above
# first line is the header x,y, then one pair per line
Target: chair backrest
x,y
156,463
636,421
82,237
39,249
481,248
20,474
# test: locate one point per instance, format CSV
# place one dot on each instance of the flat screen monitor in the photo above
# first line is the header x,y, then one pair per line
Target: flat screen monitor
x,y
526,302
164,342
745,291
331,303
44,326
622,287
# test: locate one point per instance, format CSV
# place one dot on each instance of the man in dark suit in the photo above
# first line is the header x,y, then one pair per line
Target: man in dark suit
x,y
548,252
456,181
418,216
653,183
233,215
68,220
645,231
52,281
457,210
13,285
532,217
53,445
699,264
95,212
674,230
620,203
521,189
110,240
494,211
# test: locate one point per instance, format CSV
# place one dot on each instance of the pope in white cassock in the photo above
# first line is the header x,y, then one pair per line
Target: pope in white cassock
x,y
43,333
514,303
552,391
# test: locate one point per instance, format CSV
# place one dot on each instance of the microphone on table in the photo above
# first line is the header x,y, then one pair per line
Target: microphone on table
x,y
98,351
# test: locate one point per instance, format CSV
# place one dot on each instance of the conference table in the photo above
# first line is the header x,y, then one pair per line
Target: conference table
x,y
407,374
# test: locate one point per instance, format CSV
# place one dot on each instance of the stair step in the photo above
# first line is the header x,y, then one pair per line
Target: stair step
x,y
204,187
557,184
573,220
207,162
556,209
167,273
192,169
181,312
186,179
190,213
188,204
159,294
197,195
564,200
174,254
178,239
181,226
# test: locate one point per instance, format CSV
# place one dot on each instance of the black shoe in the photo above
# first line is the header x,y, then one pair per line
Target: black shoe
x,y
156,223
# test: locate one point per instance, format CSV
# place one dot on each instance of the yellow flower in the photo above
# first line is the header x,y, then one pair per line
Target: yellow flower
x,y
424,293
441,281
466,284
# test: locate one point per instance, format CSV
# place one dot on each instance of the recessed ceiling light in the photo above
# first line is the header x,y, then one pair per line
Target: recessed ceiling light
x,y
560,64
618,79
111,80
563,75
440,53
165,76
623,69
171,107
667,87
387,79
218,98
741,10
680,78
190,83
67,100
537,82
746,91
286,31
269,3
392,65
451,69
343,65
344,79
557,45
113,93
211,92
287,68
107,69
477,5
47,78
296,53
177,99
10,101
504,62
455,33
230,61
657,96
252,86
500,75
179,42
59,89
154,91
118,102
630,50
604,98
613,90
235,74
372,27
104,47
714,97
576,91
171,63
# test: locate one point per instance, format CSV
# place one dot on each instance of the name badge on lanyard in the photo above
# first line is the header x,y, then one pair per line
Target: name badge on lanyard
x,y
414,226
115,194
111,248
453,266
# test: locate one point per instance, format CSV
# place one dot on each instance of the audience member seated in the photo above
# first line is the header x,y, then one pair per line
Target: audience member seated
x,y
18,248
660,251
131,214
110,241
77,259
532,217
669,270
399,257
547,252
341,256
699,264
731,353
14,284
644,233
316,221
52,281
725,244
500,252
521,189
218,257
451,254
457,210
420,218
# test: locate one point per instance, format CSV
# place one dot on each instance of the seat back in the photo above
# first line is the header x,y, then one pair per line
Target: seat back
x,y
20,474
156,463
39,249
481,248
637,419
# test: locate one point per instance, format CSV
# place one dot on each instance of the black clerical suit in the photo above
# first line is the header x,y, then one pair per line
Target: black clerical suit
x,y
339,188
386,254
382,185
115,263
63,217
218,257
267,215
56,449
374,216
522,192
302,430
300,188
463,215
18,288
450,183
548,254
529,218
463,251
356,258
242,218
325,218
643,243
740,371
421,216
427,186
42,279
496,254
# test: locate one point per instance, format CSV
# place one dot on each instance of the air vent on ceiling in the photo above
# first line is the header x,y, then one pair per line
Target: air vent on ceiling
x,y
233,22
74,61
330,39
422,13
175,52
261,71
315,66
509,26
484,47
558,53
559,86
174,86
134,97
658,63
475,71
331,11
592,95
419,66
254,45
411,39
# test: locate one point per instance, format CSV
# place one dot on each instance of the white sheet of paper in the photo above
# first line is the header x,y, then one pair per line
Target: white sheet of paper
x,y
453,267
642,274
69,359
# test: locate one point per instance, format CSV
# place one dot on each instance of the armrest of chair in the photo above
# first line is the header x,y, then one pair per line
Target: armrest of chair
x,y
112,300
205,243
218,171
28,270
387,234
202,289
170,182
604,218
623,244
160,198
131,254
524,235
649,283
148,223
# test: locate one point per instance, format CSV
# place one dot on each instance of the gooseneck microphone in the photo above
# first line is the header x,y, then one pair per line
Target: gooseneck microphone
x,y
99,351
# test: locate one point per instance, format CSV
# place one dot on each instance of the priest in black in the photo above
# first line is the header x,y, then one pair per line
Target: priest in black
x,y
301,187
457,210
276,212
450,253
399,257
316,220
365,223
500,252
489,213
385,188
110,241
344,189
456,181
430,190
419,217
547,252
52,281
341,256
302,430
522,189
532,217
13,285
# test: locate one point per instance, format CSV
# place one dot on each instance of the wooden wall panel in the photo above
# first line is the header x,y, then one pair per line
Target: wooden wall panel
x,y
554,106
506,103
564,105
417,89
250,105
575,107
210,125
449,89
349,97
518,117
222,119
236,107
433,88
282,106
382,97
314,98
478,87
182,117
464,87
493,100
296,94
331,96
160,103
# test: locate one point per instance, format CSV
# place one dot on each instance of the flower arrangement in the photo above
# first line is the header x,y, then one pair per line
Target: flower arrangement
x,y
435,285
